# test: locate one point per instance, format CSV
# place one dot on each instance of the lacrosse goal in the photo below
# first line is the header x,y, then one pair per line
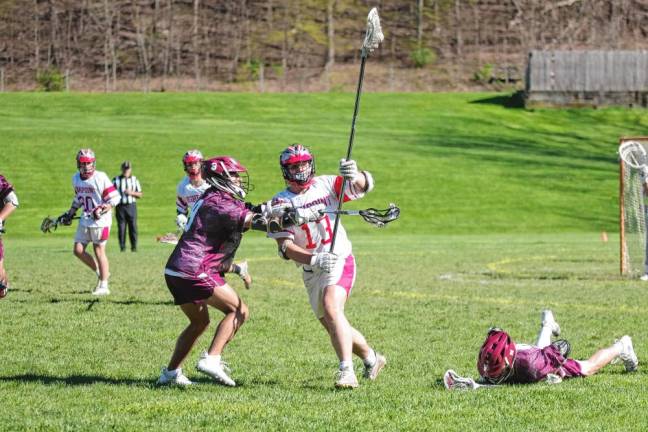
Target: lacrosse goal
x,y
632,213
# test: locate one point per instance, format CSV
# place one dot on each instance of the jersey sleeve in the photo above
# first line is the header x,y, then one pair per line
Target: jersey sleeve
x,y
138,186
76,204
351,193
181,203
109,193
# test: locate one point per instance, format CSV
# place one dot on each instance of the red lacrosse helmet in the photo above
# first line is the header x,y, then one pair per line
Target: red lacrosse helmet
x,y
294,154
189,158
85,156
496,356
227,174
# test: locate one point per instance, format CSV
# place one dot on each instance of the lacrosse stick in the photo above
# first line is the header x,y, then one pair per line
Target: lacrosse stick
x,y
634,154
378,218
373,37
453,381
50,225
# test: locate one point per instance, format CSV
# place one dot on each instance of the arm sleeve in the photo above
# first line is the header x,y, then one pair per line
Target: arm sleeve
x,y
138,186
110,194
351,193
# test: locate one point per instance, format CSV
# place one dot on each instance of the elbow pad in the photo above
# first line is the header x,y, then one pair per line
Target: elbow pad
x,y
11,198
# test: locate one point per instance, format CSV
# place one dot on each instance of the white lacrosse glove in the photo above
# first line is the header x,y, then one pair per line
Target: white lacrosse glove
x,y
181,221
270,211
324,260
349,169
303,215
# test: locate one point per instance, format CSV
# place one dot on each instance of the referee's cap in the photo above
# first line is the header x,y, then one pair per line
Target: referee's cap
x,y
126,165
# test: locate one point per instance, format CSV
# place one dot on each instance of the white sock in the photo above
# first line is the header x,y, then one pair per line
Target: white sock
x,y
544,337
346,365
371,359
216,358
103,284
173,372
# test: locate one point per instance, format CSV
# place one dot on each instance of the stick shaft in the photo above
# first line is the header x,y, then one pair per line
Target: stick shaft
x,y
350,148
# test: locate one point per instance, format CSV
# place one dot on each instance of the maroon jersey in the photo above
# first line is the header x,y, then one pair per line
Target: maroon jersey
x,y
211,237
534,364
5,189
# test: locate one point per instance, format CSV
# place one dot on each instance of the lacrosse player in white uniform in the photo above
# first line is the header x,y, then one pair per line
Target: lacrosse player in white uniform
x,y
95,195
189,190
328,275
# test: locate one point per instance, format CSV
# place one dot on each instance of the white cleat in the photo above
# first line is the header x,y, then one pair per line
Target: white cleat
x,y
373,371
101,289
628,355
549,321
644,277
218,370
346,379
245,274
175,377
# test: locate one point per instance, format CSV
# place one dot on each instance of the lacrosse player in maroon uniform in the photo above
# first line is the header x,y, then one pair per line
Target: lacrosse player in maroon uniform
x,y
328,275
8,203
189,190
195,270
502,361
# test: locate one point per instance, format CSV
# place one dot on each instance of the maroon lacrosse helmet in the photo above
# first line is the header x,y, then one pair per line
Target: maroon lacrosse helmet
x,y
228,175
496,356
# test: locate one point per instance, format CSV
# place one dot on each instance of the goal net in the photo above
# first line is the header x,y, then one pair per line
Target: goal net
x,y
632,207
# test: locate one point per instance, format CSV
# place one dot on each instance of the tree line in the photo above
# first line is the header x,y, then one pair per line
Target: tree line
x,y
288,41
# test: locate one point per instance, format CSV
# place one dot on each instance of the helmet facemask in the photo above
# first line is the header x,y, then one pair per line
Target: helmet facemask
x,y
86,163
227,175
294,155
192,163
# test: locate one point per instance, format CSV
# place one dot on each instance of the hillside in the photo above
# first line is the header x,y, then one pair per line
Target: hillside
x,y
455,163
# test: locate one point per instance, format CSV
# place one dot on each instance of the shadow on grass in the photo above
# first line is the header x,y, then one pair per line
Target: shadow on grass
x,y
77,380
94,301
515,100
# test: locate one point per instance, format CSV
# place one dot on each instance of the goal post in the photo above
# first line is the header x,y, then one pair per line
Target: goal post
x,y
632,214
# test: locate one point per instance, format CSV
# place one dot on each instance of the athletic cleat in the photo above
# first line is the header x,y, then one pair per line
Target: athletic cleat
x,y
3,290
101,289
373,371
218,370
452,381
628,355
176,377
644,277
549,321
346,378
245,274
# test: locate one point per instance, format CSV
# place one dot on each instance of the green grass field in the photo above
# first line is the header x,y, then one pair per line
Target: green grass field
x,y
502,210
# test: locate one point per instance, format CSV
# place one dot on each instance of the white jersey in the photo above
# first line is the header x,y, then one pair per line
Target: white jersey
x,y
316,236
91,193
188,194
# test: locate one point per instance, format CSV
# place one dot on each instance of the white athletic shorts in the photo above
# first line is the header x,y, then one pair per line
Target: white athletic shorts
x,y
315,280
85,235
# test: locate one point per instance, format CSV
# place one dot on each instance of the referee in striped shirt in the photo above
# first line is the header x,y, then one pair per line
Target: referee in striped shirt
x,y
130,190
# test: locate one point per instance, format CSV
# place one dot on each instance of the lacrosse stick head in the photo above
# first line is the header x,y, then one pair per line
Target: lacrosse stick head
x,y
634,154
48,225
374,35
380,218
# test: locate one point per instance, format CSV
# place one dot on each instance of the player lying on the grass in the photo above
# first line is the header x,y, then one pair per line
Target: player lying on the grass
x,y
8,203
189,190
95,195
502,361
195,270
328,275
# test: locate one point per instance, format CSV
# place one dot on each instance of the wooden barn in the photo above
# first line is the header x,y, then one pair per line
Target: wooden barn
x,y
587,78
